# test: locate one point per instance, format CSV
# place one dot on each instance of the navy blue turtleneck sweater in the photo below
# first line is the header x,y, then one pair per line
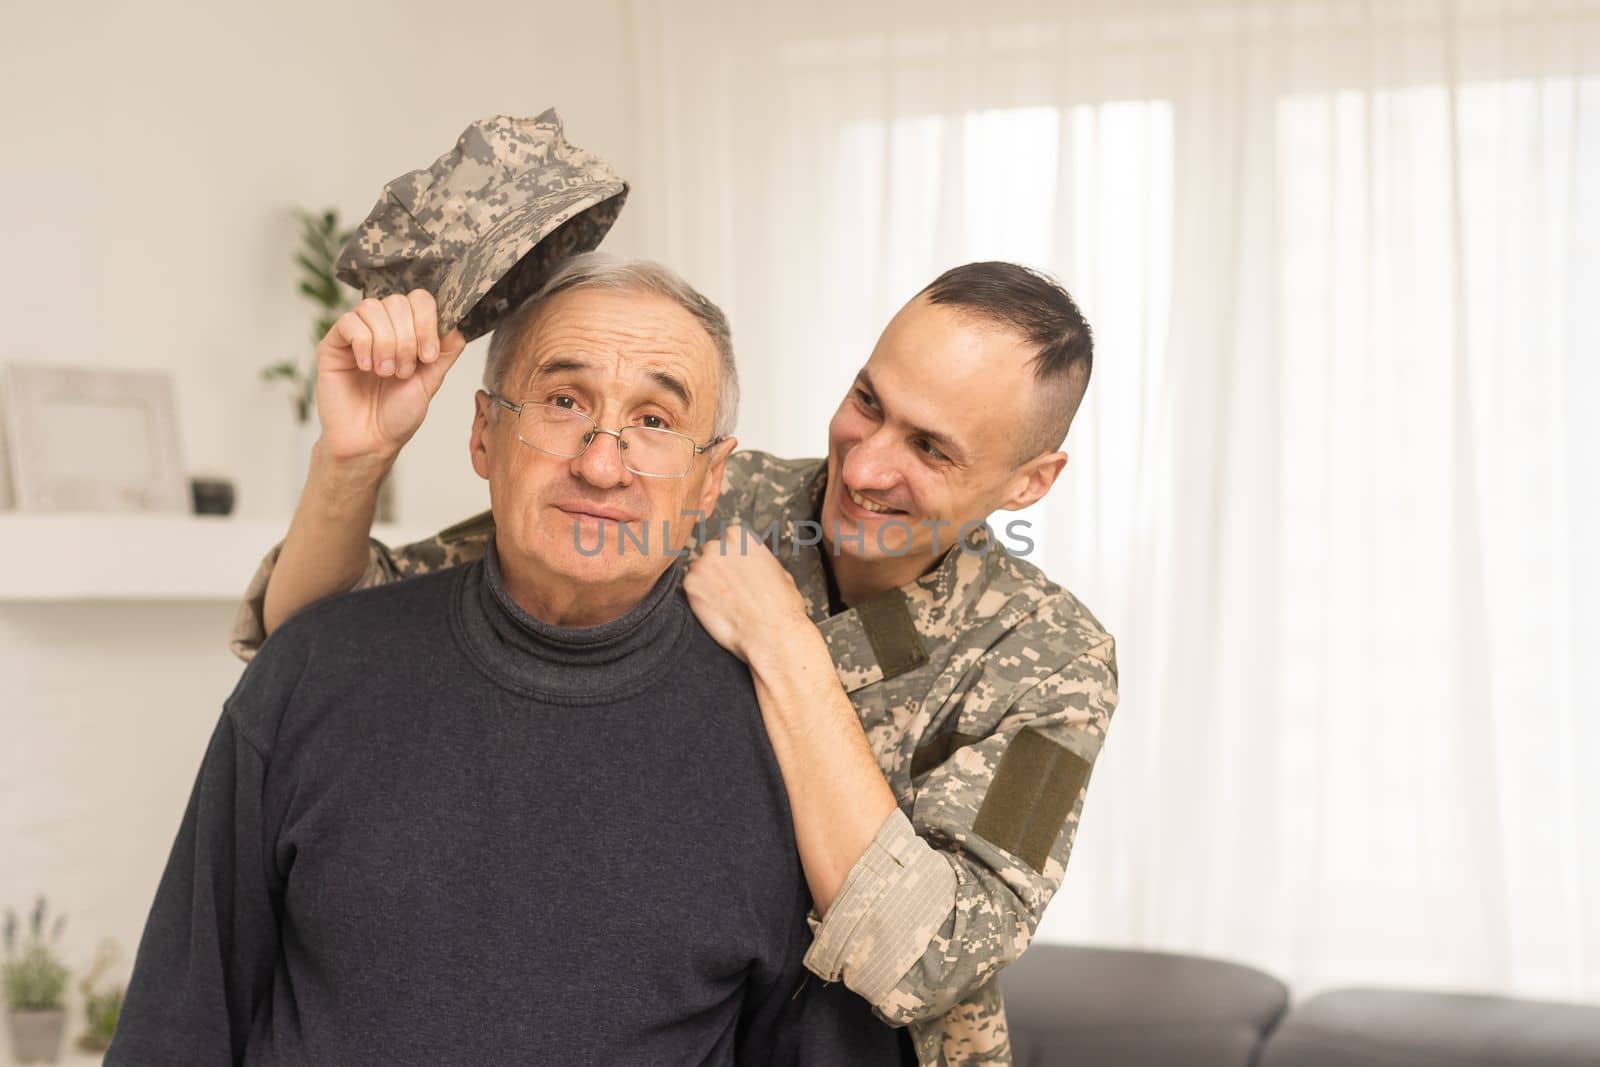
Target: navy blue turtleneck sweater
x,y
431,829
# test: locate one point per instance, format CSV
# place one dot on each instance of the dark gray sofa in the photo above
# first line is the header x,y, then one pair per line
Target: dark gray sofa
x,y
1077,1006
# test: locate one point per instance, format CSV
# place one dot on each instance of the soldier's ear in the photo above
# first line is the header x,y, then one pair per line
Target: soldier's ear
x,y
1031,481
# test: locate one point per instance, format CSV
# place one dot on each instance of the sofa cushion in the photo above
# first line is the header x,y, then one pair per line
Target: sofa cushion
x,y
1069,1004
1394,1028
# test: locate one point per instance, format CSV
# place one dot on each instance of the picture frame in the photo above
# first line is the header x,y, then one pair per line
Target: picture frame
x,y
8,499
87,439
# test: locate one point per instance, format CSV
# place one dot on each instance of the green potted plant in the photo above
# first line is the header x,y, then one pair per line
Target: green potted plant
x,y
320,242
101,1007
321,239
35,980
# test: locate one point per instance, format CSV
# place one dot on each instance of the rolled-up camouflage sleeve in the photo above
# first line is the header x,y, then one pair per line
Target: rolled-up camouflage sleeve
x,y
944,898
249,622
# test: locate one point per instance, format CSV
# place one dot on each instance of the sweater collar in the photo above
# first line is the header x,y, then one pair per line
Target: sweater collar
x,y
565,664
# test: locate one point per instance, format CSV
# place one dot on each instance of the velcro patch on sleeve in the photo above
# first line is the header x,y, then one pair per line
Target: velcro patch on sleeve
x,y
1032,794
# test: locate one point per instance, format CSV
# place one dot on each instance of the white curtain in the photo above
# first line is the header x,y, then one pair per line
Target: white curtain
x,y
1333,482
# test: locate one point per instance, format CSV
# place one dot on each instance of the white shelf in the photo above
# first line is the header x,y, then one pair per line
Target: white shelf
x,y
139,557
71,1056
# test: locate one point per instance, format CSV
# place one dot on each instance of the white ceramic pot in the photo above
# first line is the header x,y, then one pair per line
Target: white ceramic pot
x,y
36,1035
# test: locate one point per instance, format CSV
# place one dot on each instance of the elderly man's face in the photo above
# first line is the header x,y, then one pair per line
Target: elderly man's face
x,y
624,358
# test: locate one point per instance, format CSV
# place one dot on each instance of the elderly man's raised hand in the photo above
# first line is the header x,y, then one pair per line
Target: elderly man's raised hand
x,y
377,369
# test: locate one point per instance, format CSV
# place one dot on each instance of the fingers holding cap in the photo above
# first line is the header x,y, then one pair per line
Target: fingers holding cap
x,y
376,318
425,318
405,334
351,332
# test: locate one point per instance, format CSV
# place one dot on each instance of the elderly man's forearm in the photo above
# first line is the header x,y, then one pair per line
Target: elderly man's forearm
x,y
325,550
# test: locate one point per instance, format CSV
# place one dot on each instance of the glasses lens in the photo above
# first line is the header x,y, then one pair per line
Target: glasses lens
x,y
656,453
556,430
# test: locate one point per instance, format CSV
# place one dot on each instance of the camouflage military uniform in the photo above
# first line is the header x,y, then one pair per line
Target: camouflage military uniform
x,y
486,224
984,690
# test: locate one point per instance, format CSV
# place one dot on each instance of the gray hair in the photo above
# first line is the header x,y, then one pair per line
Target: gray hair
x,y
597,270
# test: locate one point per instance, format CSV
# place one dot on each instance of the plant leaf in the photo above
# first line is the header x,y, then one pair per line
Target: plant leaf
x,y
317,270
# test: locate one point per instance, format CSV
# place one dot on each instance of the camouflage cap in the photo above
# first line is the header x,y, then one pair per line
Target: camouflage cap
x,y
487,223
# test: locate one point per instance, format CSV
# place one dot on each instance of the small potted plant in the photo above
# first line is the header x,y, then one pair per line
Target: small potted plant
x,y
34,983
320,242
101,1007
321,239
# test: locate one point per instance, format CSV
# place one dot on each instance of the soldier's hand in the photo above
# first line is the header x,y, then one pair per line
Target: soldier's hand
x,y
377,369
742,595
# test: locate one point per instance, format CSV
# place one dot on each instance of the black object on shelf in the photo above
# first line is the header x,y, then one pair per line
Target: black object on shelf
x,y
211,496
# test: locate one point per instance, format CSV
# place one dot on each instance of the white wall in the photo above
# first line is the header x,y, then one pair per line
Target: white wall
x,y
152,155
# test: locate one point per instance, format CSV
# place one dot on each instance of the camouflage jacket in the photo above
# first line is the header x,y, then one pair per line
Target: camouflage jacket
x,y
985,691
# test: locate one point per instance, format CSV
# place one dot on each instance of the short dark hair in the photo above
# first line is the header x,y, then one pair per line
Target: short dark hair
x,y
1034,306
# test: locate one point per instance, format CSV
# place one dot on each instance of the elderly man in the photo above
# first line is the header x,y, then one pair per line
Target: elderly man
x,y
935,703
523,810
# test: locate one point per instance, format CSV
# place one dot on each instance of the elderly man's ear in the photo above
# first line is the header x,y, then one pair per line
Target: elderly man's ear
x,y
712,489
483,419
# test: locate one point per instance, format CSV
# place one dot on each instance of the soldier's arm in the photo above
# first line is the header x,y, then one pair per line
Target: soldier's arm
x,y
329,550
378,368
943,899
380,564
325,551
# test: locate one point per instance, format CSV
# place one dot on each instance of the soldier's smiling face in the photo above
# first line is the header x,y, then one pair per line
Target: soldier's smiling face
x,y
927,435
